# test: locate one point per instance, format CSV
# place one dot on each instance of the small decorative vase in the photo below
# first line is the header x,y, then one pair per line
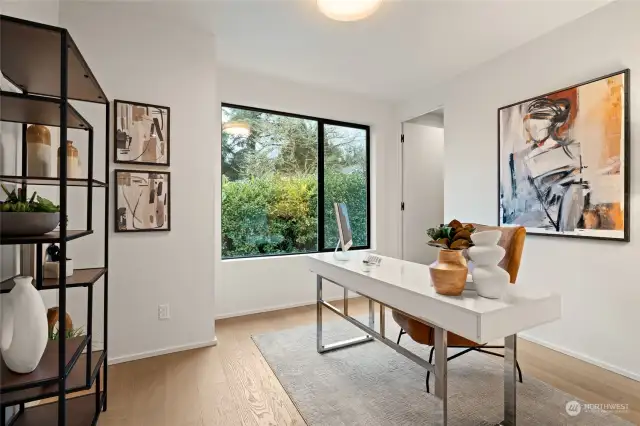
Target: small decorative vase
x,y
38,151
73,161
449,272
24,327
53,317
491,281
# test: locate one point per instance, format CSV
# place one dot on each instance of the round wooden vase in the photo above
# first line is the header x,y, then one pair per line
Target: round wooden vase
x,y
449,272
53,316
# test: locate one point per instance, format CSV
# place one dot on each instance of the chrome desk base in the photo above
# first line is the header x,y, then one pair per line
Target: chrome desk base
x,y
440,367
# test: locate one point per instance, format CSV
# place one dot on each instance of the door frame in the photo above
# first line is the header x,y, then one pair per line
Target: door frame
x,y
401,233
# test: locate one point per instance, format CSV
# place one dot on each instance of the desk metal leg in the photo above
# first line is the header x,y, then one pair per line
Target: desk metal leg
x,y
510,380
345,302
319,314
338,345
441,373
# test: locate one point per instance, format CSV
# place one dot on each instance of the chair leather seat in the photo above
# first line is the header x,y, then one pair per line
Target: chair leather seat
x,y
425,335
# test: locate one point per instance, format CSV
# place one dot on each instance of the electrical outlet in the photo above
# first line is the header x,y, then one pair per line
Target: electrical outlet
x,y
163,312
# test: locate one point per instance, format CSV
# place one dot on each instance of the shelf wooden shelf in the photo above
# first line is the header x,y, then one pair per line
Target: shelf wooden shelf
x,y
80,278
47,69
50,237
81,411
51,181
30,59
47,370
76,381
33,109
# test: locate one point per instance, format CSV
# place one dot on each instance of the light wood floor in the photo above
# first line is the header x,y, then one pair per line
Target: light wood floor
x,y
232,384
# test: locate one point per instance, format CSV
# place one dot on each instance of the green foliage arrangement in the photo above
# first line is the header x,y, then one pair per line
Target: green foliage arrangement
x,y
18,203
278,214
74,332
454,236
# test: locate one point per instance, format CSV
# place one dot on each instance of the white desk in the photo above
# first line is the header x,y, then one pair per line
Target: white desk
x,y
406,287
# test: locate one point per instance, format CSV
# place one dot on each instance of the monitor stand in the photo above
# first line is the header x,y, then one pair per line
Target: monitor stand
x,y
340,255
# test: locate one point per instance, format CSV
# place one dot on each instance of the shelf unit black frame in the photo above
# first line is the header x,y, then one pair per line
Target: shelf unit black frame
x,y
27,47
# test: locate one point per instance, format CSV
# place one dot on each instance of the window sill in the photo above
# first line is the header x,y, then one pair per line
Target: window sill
x,y
280,256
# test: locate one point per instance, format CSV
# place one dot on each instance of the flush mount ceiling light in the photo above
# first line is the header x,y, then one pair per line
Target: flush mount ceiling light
x,y
236,128
348,10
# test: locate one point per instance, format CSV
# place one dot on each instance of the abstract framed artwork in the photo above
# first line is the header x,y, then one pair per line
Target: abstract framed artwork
x,y
142,133
563,161
143,201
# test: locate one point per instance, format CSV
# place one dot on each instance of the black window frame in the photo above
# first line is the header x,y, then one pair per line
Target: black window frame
x,y
321,219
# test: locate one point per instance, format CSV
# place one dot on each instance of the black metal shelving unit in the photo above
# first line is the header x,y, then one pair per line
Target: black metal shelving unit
x,y
44,63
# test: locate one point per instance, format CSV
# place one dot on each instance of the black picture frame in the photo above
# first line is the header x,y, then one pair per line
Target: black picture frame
x,y
116,159
117,207
627,159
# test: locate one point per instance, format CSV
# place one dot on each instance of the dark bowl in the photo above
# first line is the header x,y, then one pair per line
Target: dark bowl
x,y
27,224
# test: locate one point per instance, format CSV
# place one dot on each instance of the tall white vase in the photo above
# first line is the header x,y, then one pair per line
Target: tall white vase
x,y
24,327
491,281
38,151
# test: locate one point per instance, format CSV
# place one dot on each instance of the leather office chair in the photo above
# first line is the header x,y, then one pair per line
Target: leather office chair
x,y
512,240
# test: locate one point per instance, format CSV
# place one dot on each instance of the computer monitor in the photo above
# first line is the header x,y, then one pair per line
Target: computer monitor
x,y
344,227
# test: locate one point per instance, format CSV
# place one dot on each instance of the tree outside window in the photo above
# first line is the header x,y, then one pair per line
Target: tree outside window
x,y
270,182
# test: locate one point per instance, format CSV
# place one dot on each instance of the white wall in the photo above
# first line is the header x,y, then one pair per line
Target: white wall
x,y
597,279
44,11
138,55
432,119
253,285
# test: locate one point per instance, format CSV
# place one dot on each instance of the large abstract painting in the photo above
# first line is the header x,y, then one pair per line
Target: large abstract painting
x,y
141,133
143,201
564,161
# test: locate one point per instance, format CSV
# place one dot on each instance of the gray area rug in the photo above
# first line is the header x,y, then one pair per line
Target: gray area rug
x,y
372,385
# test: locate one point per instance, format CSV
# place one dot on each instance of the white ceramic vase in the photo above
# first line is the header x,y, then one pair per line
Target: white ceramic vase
x,y
24,327
491,281
38,151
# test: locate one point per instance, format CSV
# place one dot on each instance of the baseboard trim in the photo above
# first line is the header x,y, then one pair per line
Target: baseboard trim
x,y
278,308
582,357
163,351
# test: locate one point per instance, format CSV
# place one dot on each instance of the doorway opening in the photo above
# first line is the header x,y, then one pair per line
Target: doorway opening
x,y
422,184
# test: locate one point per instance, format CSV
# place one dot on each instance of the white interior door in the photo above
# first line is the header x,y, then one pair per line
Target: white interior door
x,y
423,189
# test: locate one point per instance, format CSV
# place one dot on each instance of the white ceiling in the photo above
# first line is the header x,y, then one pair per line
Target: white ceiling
x,y
407,45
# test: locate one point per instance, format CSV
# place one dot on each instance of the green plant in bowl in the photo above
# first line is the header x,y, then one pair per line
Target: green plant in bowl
x,y
21,217
17,203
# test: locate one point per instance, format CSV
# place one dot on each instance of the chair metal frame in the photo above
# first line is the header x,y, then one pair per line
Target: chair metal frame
x,y
480,348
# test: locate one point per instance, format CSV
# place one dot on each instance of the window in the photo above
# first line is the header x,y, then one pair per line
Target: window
x,y
276,174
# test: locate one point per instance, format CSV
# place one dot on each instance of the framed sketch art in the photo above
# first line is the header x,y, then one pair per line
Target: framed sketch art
x,y
143,201
564,161
141,133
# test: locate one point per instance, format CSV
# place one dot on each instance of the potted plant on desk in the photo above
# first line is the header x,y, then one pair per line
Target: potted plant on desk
x,y
449,272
